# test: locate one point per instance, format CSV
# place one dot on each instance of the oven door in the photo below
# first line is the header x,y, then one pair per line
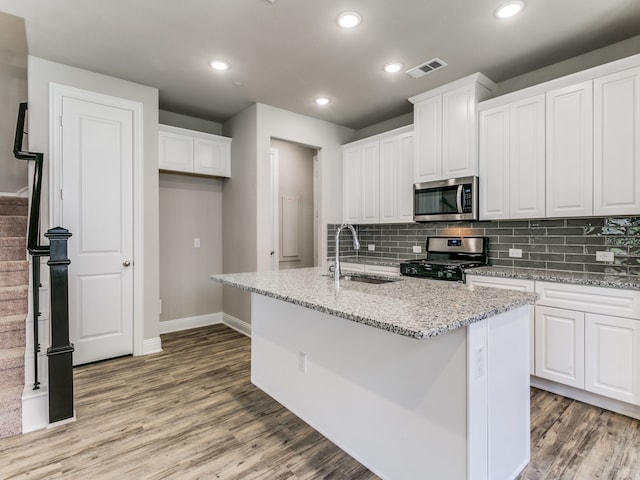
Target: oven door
x,y
446,200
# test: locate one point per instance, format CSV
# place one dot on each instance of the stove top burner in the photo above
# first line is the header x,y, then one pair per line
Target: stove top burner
x,y
448,257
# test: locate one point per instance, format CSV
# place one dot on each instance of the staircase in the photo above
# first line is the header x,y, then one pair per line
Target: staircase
x,y
14,280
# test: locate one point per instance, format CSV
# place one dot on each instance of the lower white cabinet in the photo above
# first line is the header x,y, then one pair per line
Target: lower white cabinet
x,y
585,337
188,151
560,345
368,268
612,365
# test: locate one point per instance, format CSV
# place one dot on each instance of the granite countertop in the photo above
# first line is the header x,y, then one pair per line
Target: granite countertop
x,y
577,278
413,307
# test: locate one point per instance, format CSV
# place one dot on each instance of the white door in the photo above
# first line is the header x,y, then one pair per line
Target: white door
x,y
97,207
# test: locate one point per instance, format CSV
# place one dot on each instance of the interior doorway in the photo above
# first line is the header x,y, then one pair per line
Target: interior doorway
x,y
294,173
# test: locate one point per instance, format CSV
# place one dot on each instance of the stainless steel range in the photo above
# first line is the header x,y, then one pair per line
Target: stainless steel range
x,y
448,257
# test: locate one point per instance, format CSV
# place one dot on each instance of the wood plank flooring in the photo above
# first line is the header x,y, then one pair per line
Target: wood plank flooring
x,y
191,412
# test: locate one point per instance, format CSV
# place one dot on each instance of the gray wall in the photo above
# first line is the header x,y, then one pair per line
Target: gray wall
x,y
190,207
550,244
296,179
13,90
41,74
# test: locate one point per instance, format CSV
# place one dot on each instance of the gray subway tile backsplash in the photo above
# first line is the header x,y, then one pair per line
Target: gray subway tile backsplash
x,y
554,244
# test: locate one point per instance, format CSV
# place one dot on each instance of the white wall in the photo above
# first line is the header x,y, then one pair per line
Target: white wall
x,y
41,74
13,90
191,123
323,136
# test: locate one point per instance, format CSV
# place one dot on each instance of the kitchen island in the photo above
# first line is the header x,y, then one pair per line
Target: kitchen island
x,y
414,378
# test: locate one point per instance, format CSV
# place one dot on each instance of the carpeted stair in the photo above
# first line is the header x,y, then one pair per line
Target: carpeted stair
x,y
14,280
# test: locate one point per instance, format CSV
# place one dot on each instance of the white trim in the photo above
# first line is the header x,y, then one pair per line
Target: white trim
x,y
35,409
188,323
237,324
151,345
56,94
583,396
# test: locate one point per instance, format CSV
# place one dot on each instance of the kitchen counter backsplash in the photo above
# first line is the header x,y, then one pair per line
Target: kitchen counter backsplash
x,y
551,244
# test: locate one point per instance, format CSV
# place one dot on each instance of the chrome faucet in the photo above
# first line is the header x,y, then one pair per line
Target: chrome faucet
x,y
356,246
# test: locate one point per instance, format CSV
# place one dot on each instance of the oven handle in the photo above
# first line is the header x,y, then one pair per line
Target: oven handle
x,y
459,199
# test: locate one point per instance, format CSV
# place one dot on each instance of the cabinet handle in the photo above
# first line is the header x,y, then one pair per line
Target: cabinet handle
x,y
126,263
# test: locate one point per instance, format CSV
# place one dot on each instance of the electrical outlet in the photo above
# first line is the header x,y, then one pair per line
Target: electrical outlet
x,y
196,243
417,249
515,252
604,256
302,362
371,247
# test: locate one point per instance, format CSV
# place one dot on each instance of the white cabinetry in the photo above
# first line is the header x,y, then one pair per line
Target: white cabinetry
x,y
369,268
510,284
378,178
589,338
192,152
512,160
570,151
445,129
560,345
616,143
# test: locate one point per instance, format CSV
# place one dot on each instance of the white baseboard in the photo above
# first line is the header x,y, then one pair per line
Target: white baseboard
x,y
35,409
187,323
583,396
151,345
237,324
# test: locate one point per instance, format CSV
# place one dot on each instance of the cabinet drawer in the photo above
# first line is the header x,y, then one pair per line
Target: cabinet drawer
x,y
605,301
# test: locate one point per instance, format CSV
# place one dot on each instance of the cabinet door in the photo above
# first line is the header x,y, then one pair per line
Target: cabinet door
x,y
560,345
389,172
616,143
494,163
611,355
527,158
352,185
404,178
569,173
211,157
428,139
458,133
371,182
175,152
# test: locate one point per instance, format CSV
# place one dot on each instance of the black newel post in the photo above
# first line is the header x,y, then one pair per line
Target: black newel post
x,y
60,352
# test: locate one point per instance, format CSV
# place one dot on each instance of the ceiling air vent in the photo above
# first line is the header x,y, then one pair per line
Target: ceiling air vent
x,y
427,67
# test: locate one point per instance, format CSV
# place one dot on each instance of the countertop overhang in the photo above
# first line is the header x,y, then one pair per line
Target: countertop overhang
x,y
413,307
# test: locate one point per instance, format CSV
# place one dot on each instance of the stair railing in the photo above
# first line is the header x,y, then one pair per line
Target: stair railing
x,y
59,354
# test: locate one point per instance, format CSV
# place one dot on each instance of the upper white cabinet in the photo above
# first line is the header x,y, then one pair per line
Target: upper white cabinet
x,y
570,151
378,178
188,151
566,148
445,129
512,160
616,143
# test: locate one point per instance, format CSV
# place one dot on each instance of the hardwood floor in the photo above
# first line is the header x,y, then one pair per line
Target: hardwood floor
x,y
191,412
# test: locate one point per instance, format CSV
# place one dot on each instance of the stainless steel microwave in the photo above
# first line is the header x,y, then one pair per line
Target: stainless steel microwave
x,y
446,200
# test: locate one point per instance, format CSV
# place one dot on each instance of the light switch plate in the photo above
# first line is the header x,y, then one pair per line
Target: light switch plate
x,y
417,249
371,247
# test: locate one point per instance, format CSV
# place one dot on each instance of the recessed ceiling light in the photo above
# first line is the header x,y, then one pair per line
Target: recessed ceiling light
x,y
392,67
219,65
509,9
322,100
349,19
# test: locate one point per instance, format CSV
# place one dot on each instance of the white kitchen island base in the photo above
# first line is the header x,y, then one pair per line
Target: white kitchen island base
x,y
455,406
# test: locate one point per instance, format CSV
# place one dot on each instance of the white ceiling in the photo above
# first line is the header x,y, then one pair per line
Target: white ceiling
x,y
287,53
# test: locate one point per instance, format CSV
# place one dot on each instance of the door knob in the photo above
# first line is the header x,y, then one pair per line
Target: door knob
x,y
126,263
